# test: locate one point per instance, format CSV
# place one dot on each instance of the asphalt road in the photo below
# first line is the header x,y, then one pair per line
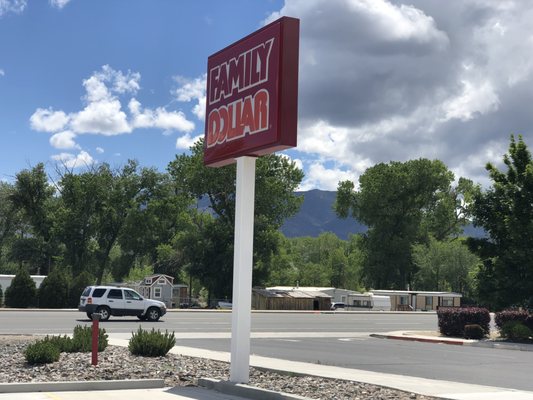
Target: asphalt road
x,y
339,339
220,321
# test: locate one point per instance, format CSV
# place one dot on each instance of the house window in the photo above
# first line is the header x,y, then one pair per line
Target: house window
x,y
404,300
148,281
157,293
447,301
429,301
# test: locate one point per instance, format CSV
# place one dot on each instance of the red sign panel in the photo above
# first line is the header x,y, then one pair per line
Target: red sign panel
x,y
252,95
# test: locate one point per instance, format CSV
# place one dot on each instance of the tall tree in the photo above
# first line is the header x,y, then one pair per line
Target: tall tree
x,y
9,218
402,204
34,197
505,211
276,180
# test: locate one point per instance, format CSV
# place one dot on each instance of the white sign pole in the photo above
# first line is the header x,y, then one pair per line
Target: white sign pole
x,y
242,271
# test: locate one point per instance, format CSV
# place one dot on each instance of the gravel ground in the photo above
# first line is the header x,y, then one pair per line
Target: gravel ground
x,y
117,363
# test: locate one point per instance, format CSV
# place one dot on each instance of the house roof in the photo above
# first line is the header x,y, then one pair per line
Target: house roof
x,y
155,279
421,292
293,293
300,288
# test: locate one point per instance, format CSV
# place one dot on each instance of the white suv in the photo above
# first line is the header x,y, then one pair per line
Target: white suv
x,y
117,301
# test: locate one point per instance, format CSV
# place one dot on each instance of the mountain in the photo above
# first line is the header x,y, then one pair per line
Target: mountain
x,y
316,216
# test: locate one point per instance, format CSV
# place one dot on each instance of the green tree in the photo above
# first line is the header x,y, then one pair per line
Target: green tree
x,y
9,218
276,180
402,204
34,197
53,291
22,292
504,211
77,285
444,266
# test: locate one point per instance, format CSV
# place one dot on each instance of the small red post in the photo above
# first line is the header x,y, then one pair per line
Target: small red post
x,y
96,331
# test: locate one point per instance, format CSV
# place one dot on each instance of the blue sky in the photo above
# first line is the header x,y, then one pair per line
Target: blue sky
x,y
84,82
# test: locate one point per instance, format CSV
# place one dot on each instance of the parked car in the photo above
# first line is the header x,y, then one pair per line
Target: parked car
x,y
337,305
116,301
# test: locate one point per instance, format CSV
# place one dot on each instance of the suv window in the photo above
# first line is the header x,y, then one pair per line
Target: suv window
x,y
114,294
87,291
98,292
131,295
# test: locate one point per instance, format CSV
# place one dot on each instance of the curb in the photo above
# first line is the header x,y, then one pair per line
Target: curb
x,y
419,339
76,386
246,391
457,342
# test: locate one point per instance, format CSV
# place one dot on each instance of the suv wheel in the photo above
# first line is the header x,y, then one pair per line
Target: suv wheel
x,y
89,315
104,312
142,317
153,314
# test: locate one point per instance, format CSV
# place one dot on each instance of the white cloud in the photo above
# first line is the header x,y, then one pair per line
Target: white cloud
x,y
14,6
69,160
473,99
193,90
103,113
158,118
2,73
64,140
318,176
186,141
99,150
59,3
104,117
47,120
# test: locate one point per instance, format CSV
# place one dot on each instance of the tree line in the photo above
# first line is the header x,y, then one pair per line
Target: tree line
x,y
104,225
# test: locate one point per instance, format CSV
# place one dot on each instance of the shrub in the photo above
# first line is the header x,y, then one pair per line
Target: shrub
x,y
151,344
474,331
62,343
505,316
53,292
41,352
83,338
515,330
1,296
22,292
452,321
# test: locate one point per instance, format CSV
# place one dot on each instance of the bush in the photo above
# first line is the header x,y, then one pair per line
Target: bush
x,y
474,331
83,338
63,343
515,330
505,316
22,292
53,292
452,321
151,344
1,296
41,352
